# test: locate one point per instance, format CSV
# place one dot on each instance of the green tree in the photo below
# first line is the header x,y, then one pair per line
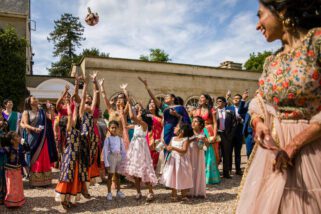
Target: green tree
x,y
256,61
156,55
90,53
12,66
66,37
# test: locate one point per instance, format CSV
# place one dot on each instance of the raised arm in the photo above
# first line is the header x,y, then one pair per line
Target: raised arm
x,y
76,95
103,93
132,116
96,88
67,87
156,101
69,116
95,92
83,99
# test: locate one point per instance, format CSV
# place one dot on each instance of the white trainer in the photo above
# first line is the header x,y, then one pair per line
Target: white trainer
x,y
120,195
109,196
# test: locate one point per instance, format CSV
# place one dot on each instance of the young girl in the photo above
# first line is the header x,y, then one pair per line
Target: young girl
x,y
114,156
196,151
14,161
177,172
73,172
139,164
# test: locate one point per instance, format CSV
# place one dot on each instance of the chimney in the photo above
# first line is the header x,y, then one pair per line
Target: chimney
x,y
231,65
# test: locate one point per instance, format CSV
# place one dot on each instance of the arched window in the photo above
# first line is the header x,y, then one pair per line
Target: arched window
x,y
192,101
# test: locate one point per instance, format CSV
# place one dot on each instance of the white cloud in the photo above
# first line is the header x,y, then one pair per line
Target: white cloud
x,y
190,31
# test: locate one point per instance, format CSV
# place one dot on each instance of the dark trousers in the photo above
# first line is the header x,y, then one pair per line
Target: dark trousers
x,y
249,142
237,146
226,148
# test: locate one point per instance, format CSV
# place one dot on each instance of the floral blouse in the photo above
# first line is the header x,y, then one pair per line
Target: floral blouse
x,y
291,82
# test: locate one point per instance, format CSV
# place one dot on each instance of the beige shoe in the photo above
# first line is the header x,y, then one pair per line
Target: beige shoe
x,y
150,197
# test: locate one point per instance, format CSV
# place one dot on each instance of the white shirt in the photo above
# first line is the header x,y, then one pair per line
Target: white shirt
x,y
221,116
113,145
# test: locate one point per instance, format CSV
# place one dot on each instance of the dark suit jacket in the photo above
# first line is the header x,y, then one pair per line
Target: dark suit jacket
x,y
243,111
230,123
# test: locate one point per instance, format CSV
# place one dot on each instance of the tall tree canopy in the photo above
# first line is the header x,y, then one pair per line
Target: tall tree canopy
x,y
12,67
66,37
156,55
256,61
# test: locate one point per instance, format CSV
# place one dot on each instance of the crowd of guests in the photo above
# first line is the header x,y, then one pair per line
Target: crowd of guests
x,y
165,143
181,148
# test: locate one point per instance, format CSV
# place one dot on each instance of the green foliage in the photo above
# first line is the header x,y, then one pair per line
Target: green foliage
x,y
156,55
90,53
66,37
12,66
256,61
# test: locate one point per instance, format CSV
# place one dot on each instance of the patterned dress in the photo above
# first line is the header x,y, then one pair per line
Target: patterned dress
x,y
290,99
88,133
73,171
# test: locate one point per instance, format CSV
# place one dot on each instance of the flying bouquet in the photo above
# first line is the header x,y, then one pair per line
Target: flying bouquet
x,y
92,18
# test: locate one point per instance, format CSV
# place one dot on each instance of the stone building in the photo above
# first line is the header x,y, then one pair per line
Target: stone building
x,y
186,81
16,13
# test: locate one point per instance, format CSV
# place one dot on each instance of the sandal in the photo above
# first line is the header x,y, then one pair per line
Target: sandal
x,y
86,195
150,197
138,196
174,198
65,205
185,199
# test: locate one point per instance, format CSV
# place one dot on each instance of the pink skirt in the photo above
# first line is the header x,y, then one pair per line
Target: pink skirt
x,y
177,172
198,169
14,196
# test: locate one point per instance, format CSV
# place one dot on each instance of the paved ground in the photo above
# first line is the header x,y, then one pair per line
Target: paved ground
x,y
221,198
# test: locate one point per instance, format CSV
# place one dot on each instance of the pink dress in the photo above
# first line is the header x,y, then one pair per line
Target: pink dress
x,y
139,163
198,170
177,172
289,100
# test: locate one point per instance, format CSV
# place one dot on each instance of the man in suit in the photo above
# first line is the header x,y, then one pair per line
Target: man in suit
x,y
226,122
238,136
247,129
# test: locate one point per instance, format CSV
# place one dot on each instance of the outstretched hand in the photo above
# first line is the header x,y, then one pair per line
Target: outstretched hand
x,y
101,82
67,87
124,86
94,75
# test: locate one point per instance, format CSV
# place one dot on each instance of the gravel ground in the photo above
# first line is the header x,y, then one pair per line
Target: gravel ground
x,y
221,198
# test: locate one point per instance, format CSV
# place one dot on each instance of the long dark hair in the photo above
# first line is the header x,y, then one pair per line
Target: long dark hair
x,y
209,101
147,119
305,14
156,108
201,121
27,105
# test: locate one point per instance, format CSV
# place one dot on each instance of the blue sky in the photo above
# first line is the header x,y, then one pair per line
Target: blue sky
x,y
203,32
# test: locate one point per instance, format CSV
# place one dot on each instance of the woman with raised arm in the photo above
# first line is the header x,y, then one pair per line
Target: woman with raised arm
x,y
155,133
61,120
139,164
114,114
88,106
73,172
40,137
284,174
172,114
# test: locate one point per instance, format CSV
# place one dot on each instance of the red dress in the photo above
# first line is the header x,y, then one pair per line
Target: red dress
x,y
154,134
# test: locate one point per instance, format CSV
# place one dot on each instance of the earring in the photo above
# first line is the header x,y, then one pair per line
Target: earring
x,y
288,22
